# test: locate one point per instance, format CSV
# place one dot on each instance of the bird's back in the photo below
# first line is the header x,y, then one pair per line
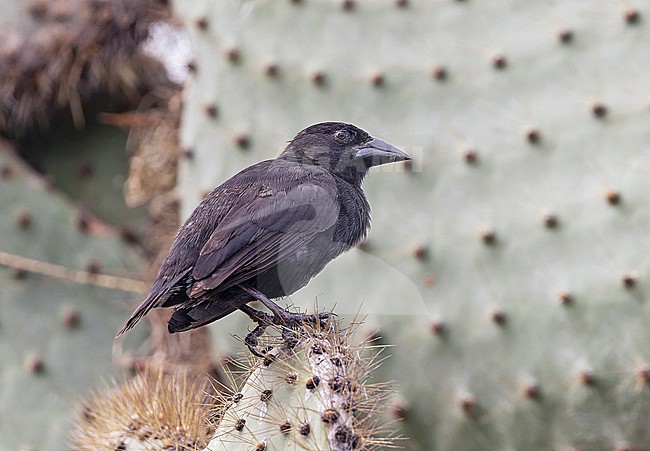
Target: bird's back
x,y
235,193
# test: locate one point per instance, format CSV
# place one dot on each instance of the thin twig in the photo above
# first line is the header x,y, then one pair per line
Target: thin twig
x,y
72,275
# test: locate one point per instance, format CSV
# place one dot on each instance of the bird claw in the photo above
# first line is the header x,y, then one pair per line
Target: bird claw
x,y
293,319
252,339
326,315
290,337
286,320
254,351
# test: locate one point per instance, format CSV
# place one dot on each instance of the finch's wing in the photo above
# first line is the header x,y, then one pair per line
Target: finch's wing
x,y
264,232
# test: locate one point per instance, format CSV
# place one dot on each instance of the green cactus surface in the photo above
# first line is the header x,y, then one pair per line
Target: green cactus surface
x,y
509,263
91,168
56,335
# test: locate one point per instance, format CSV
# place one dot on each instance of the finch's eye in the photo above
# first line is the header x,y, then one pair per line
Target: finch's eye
x,y
342,136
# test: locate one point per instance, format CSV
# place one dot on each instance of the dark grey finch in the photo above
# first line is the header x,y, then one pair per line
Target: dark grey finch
x,y
265,232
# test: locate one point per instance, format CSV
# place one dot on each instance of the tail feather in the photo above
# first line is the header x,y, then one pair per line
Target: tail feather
x,y
204,313
143,309
161,291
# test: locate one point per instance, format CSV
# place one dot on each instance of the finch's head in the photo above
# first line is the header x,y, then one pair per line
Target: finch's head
x,y
342,149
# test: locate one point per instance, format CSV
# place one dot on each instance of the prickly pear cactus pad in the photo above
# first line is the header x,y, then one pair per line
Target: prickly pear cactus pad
x,y
91,168
509,265
56,335
312,391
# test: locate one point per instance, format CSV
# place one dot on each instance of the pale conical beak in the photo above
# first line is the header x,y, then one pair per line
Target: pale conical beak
x,y
376,152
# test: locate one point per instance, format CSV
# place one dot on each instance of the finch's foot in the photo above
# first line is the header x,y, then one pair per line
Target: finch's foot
x,y
280,316
263,321
286,320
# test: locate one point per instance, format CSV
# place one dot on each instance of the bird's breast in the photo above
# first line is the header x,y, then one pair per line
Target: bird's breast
x,y
354,215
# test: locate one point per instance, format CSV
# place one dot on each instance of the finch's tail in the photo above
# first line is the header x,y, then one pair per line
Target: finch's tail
x,y
143,309
199,315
